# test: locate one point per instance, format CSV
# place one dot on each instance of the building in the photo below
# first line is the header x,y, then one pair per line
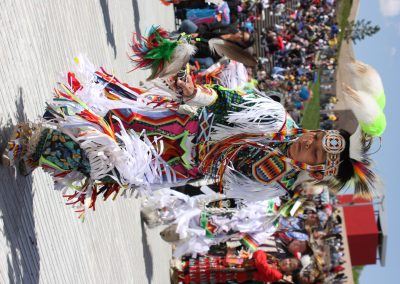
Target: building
x,y
366,230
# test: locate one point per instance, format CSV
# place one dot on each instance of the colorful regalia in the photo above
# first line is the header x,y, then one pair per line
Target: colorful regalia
x,y
100,136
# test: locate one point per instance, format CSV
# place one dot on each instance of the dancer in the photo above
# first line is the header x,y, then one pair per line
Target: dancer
x,y
101,136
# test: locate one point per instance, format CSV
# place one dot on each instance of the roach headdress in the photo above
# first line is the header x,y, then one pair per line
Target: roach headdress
x,y
161,53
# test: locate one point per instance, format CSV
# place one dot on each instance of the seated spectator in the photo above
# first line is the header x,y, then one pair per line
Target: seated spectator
x,y
202,33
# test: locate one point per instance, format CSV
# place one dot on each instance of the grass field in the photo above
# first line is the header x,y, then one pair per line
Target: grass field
x,y
344,9
312,108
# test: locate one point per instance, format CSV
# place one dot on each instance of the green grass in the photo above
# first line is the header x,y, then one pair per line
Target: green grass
x,y
343,12
311,117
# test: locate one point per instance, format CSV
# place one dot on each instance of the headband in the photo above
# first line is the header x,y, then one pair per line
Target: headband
x,y
334,144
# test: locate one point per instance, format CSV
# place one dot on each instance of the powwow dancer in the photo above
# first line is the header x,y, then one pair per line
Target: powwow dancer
x,y
104,137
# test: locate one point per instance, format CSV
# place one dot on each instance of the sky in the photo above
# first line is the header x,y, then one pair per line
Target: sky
x,y
382,51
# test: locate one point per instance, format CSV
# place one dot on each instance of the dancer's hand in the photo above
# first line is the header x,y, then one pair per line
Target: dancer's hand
x,y
188,87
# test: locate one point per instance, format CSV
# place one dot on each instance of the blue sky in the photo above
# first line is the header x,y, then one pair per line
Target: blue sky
x,y
383,52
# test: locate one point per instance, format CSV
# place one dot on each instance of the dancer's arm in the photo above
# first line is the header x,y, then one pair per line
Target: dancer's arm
x,y
219,99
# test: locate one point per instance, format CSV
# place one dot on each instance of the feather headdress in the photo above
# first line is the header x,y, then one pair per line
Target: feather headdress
x,y
366,99
367,111
160,53
367,79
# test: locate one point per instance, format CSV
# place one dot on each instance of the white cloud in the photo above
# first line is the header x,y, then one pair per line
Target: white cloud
x,y
393,51
389,8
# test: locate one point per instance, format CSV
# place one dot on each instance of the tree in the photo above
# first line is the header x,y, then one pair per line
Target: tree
x,y
357,273
357,31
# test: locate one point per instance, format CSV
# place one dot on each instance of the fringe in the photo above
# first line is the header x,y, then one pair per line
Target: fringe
x,y
258,115
128,161
93,94
234,75
237,185
132,161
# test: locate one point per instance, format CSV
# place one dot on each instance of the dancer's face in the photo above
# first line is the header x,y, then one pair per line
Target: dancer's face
x,y
308,148
288,265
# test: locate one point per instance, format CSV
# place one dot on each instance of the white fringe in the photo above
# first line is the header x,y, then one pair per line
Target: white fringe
x,y
258,115
136,159
237,185
234,76
134,156
92,92
249,219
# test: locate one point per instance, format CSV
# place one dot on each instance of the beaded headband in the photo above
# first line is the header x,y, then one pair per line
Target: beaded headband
x,y
334,144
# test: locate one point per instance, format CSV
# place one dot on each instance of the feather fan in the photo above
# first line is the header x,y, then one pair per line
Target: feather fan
x,y
232,51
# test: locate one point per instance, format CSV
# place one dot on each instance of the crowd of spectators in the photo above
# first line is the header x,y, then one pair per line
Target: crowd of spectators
x,y
298,50
318,222
303,41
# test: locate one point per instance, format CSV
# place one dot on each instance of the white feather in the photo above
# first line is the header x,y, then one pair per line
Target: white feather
x,y
365,78
364,106
356,151
180,58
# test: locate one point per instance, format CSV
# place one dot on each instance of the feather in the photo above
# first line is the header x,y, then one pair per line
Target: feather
x,y
153,52
161,53
367,79
364,180
232,51
356,146
366,110
180,58
366,183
